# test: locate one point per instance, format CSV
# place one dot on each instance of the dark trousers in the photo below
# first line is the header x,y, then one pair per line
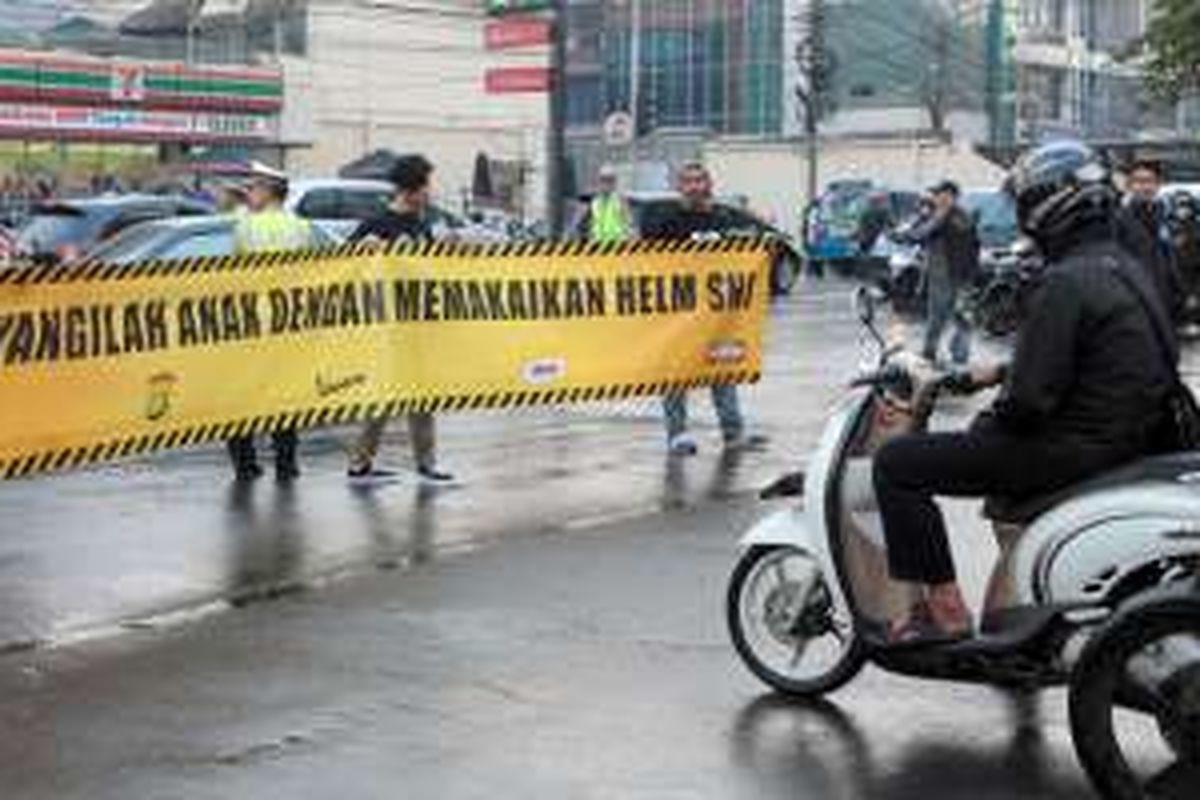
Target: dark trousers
x,y
244,458
911,470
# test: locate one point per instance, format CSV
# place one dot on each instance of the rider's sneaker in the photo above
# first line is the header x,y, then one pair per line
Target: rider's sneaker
x,y
682,444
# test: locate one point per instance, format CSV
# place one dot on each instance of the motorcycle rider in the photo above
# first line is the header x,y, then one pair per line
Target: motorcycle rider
x,y
1185,239
1083,393
1142,230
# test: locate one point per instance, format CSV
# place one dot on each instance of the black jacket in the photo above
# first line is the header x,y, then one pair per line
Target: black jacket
x,y
951,245
1088,369
1141,231
391,226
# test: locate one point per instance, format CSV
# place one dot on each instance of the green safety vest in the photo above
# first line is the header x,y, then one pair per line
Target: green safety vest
x,y
272,231
610,219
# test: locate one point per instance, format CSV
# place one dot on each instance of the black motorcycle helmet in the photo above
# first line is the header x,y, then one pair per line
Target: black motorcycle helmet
x,y
1184,205
1059,190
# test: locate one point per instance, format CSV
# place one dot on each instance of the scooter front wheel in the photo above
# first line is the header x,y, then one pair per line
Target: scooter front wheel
x,y
786,625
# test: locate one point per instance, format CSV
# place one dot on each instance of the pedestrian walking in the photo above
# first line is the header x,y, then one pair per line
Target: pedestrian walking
x,y
951,246
407,219
268,228
1143,232
696,216
608,217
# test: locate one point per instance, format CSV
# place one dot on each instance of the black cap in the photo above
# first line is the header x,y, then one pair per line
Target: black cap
x,y
945,187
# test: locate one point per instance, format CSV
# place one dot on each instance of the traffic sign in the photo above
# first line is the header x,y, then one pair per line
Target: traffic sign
x,y
618,129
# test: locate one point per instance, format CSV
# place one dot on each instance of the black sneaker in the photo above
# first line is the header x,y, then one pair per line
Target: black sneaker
x,y
245,473
287,472
371,476
432,476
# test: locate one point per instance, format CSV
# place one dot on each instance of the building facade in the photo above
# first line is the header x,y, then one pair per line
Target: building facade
x,y
309,85
686,70
1078,74
409,76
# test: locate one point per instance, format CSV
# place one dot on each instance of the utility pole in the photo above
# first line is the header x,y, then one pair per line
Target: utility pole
x,y
812,90
556,149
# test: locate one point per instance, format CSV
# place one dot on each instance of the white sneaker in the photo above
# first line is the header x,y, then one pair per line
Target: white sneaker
x,y
682,444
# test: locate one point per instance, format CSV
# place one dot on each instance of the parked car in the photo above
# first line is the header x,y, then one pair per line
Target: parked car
x,y
62,230
338,204
995,217
178,238
788,261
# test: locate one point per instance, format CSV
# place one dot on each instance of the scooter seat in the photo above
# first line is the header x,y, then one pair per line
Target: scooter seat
x,y
1024,510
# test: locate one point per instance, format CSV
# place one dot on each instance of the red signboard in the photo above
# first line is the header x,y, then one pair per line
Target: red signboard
x,y
509,80
510,32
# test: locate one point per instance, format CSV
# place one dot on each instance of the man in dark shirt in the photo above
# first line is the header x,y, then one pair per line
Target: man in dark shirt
x,y
405,220
1142,230
697,217
1084,393
951,263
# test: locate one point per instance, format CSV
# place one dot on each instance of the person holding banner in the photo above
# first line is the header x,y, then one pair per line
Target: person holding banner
x,y
405,220
268,228
697,217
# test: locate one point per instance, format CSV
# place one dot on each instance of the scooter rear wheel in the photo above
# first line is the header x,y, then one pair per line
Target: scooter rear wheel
x,y
786,625
1113,722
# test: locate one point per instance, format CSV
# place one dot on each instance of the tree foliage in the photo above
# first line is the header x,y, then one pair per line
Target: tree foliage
x,y
1173,42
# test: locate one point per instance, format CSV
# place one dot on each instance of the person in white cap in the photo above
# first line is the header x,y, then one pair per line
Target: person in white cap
x,y
268,228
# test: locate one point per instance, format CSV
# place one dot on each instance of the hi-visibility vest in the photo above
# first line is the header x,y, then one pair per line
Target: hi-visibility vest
x,y
610,219
272,231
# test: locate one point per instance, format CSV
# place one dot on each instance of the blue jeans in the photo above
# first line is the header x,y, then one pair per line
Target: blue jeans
x,y
942,311
725,401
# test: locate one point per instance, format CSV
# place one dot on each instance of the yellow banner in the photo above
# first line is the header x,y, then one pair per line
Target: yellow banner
x,y
104,361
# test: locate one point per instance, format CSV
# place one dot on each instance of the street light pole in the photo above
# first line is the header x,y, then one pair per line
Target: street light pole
x,y
556,139
635,68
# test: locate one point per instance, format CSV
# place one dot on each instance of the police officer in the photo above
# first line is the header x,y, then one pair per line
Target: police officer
x,y
1084,392
268,228
608,217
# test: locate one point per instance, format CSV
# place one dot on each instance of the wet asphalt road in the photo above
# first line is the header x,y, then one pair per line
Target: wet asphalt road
x,y
553,629
587,664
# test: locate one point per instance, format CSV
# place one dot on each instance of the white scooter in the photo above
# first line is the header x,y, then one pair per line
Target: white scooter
x,y
1097,587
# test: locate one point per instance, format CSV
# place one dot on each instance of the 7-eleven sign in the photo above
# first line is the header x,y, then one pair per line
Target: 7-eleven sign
x,y
128,83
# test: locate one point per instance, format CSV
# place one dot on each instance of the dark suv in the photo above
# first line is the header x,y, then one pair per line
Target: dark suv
x,y
62,230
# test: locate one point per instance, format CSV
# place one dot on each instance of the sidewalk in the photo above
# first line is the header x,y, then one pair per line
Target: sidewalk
x,y
123,542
